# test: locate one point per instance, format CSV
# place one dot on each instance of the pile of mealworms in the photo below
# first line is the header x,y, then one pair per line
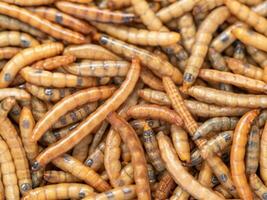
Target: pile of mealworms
x,y
133,99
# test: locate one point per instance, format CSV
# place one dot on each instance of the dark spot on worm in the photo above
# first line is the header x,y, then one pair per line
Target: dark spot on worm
x,y
15,112
58,18
57,135
7,77
62,93
74,116
148,133
38,71
127,19
25,187
126,190
188,77
227,137
81,194
63,120
109,195
25,124
66,157
224,38
223,178
169,51
214,180
36,166
182,55
264,196
79,81
103,40
89,162
25,43
48,91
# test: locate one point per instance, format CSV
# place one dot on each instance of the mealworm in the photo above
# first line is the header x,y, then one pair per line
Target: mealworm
x,y
166,184
96,159
14,113
179,194
10,135
245,69
250,37
187,30
148,59
200,47
48,94
120,193
8,172
99,68
63,19
54,62
76,168
205,174
125,153
258,187
94,14
126,176
195,107
217,144
175,10
261,119
60,191
16,25
29,2
75,115
67,104
258,56
90,51
237,164
139,36
179,174
18,94
93,120
25,57
14,38
150,79
38,108
138,124
137,154
245,14
253,150
60,177
26,125
42,24
181,143
217,124
263,147
239,51
80,151
154,112
217,60
151,147
8,52
55,79
116,4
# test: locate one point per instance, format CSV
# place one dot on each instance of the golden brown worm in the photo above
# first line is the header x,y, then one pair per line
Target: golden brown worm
x,y
80,151
53,176
8,52
29,2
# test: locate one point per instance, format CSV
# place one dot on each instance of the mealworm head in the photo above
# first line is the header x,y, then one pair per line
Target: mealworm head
x,y
103,40
89,162
7,77
223,178
25,187
48,91
182,55
188,77
196,136
25,43
58,18
36,166
81,194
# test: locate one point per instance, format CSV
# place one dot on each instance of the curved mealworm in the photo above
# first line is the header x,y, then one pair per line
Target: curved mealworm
x,y
59,191
127,192
137,154
154,112
80,151
263,156
139,36
258,56
29,2
93,120
200,47
16,25
245,69
151,147
54,62
60,177
180,175
14,38
90,51
94,14
8,52
75,115
237,164
26,57
153,62
257,186
76,168
96,159
44,25
18,94
10,135
176,9
179,194
63,19
166,184
67,104
181,143
99,68
26,125
217,124
150,79
55,79
245,14
48,94
253,150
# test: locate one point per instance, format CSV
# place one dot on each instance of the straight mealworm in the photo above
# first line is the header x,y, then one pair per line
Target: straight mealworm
x,y
55,79
67,104
153,62
99,68
94,14
200,47
18,94
93,120
237,164
137,154
26,57
223,98
8,52
139,36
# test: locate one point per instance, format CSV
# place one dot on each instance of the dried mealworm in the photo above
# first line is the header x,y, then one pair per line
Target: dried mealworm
x,y
60,177
166,184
